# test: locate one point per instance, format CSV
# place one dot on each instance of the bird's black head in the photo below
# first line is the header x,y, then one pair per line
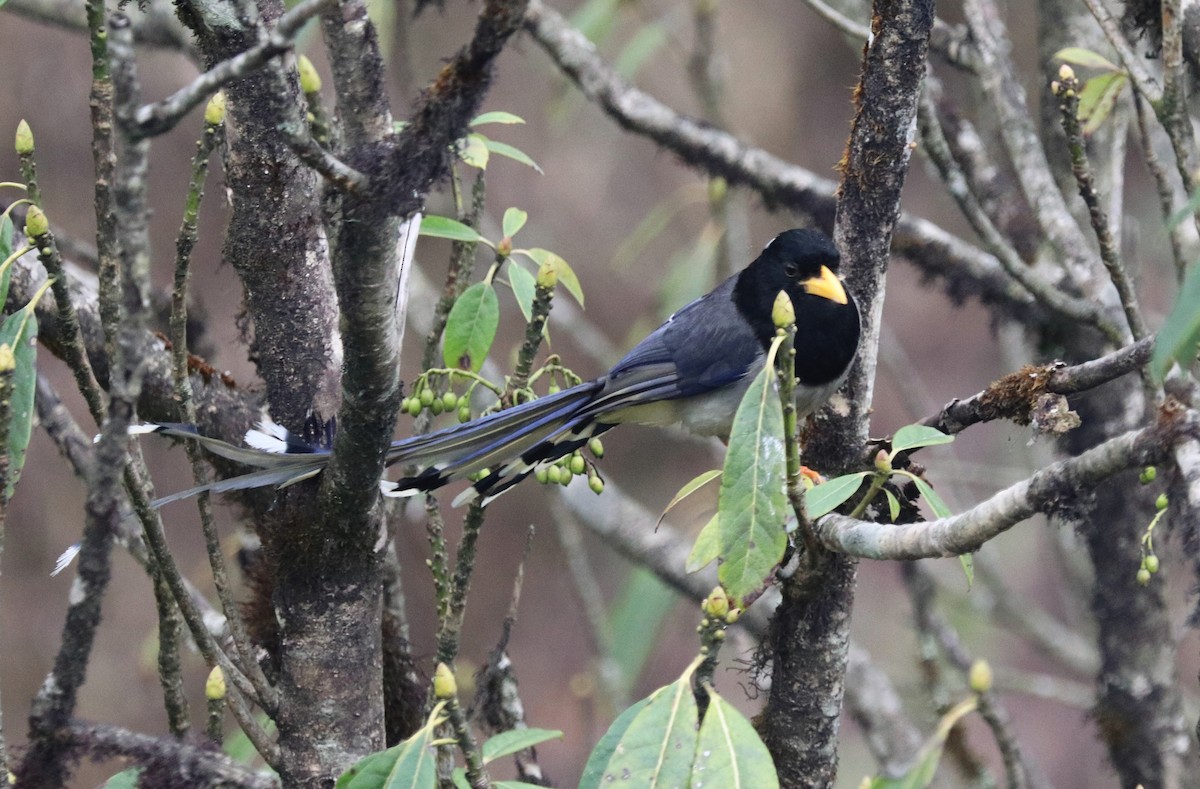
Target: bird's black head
x,y
803,263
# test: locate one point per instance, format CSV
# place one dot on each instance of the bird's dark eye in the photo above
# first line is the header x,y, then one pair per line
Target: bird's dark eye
x,y
791,269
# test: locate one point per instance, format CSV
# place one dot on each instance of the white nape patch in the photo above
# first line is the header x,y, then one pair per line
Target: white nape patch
x,y
77,594
269,436
65,558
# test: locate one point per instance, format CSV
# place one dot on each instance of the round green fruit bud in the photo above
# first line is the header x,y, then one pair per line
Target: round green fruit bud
x,y
596,447
214,686
36,223
1150,562
444,684
414,406
464,413
980,677
1160,503
1143,576
596,484
426,397
783,313
553,474
578,465
214,111
547,276
716,604
24,139
554,389
542,474
310,80
1148,475
450,401
436,406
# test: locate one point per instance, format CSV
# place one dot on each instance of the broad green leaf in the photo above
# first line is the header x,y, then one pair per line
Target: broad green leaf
x,y
524,287
752,507
831,494
968,565
707,547
19,331
1085,57
509,742
657,745
921,774
459,778
473,150
471,327
1097,99
411,764
595,18
126,779
636,621
497,116
729,753
913,436
509,152
566,275
1180,333
930,495
693,485
514,220
237,745
593,771
893,504
445,227
645,42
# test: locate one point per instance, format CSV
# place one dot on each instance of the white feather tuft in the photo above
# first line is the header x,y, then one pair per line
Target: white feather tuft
x,y
269,436
65,558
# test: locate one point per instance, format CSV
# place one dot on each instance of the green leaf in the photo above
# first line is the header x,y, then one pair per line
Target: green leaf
x,y
752,505
693,485
893,504
445,227
459,778
473,150
509,742
921,774
595,18
411,764
1180,333
649,39
968,565
729,753
831,494
19,331
566,275
1188,210
635,621
497,116
471,327
656,747
126,779
913,436
524,287
593,771
707,547
6,249
509,152
1097,99
514,220
1085,57
930,495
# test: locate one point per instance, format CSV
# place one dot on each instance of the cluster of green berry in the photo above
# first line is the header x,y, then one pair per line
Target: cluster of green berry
x,y
1150,562
566,468
426,398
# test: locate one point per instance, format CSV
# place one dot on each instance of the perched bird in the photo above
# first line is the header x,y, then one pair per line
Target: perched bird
x,y
692,371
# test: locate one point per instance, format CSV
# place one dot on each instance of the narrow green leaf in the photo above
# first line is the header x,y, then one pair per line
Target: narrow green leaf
x,y
473,150
968,565
657,745
921,774
471,327
514,220
19,331
6,249
411,764
752,505
497,116
692,485
1180,333
595,18
445,227
831,494
566,275
913,436
1085,57
1097,99
729,753
649,39
593,771
126,779
930,495
707,547
635,621
893,504
509,152
524,287
513,740
458,777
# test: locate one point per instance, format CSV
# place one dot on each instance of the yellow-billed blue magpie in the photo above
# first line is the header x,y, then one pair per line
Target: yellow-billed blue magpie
x,y
692,370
